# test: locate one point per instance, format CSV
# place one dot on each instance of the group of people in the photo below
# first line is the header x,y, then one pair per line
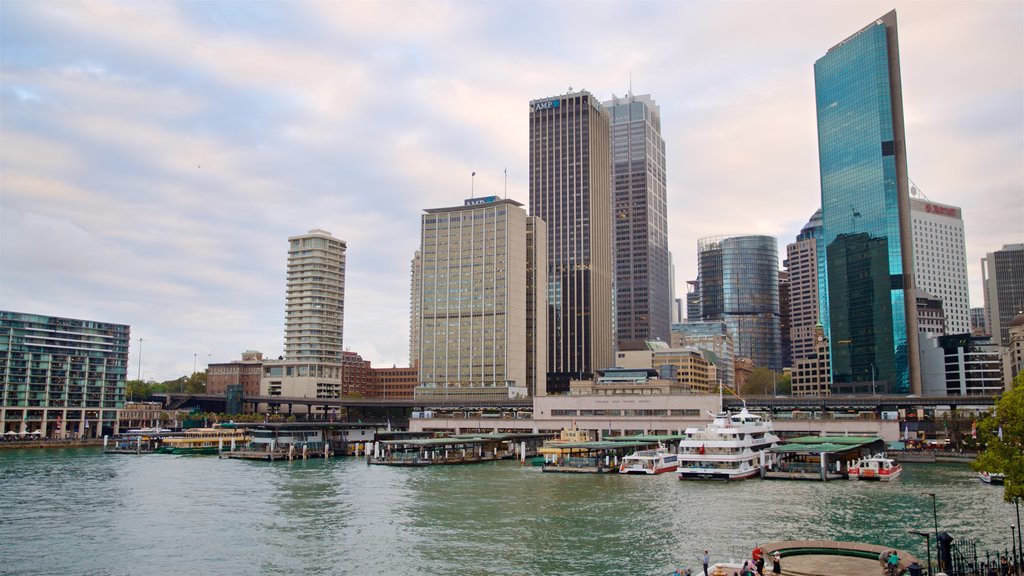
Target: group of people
x,y
752,567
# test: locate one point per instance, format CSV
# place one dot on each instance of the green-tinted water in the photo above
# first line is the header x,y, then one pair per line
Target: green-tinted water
x,y
80,512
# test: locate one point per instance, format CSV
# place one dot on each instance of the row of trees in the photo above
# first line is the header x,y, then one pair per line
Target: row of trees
x,y
137,390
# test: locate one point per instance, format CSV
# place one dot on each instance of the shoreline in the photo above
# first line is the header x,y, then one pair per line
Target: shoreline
x,y
49,444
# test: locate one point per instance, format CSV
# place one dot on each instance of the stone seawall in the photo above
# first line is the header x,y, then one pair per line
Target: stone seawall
x,y
15,444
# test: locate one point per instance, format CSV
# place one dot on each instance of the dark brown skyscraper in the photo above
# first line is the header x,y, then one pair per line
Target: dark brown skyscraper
x,y
570,189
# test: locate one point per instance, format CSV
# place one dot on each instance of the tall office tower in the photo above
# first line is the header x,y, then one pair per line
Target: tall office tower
x,y
677,306
643,288
692,301
415,301
785,319
872,313
570,190
713,338
978,321
805,282
473,330
315,310
739,285
1002,277
536,305
61,377
940,260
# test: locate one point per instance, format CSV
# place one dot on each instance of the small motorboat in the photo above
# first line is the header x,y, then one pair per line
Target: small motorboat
x,y
991,477
875,467
653,461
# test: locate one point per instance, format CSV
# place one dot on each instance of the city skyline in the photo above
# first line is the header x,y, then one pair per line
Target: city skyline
x,y
153,156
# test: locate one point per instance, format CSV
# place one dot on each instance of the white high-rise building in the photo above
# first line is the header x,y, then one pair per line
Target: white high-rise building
x,y
314,319
315,311
940,260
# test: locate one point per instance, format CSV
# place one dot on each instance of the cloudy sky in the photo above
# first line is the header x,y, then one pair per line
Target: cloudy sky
x,y
155,157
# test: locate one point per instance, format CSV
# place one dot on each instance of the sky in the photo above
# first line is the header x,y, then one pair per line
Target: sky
x,y
155,157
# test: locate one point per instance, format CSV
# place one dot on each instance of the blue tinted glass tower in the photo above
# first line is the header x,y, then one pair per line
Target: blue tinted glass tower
x,y
866,214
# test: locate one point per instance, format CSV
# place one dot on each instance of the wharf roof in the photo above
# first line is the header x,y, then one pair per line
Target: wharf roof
x,y
645,438
434,442
824,444
602,445
504,435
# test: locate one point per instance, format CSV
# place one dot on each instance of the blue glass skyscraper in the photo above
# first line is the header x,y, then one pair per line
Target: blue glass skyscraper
x,y
866,214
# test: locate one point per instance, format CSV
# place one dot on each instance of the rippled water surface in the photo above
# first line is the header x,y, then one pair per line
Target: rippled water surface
x,y
82,512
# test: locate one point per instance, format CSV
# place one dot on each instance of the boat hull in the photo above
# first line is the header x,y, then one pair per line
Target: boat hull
x,y
988,478
723,476
648,471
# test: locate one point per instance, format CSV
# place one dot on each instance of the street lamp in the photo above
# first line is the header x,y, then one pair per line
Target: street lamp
x,y
935,519
1016,503
139,377
1013,542
928,542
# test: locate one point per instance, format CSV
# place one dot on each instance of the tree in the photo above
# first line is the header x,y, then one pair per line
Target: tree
x,y
1003,435
138,391
762,382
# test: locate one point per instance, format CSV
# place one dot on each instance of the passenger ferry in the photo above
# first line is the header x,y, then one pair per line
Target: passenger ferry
x,y
875,467
204,441
654,461
730,448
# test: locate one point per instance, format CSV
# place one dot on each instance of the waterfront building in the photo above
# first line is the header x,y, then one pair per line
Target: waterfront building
x,y
244,374
355,376
61,376
940,260
475,285
812,374
961,365
1002,277
395,383
643,288
715,340
627,382
315,310
805,284
739,285
415,301
570,190
872,313
312,365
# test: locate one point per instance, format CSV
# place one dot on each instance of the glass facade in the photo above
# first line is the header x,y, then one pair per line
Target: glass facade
x,y
643,289
865,212
61,376
739,284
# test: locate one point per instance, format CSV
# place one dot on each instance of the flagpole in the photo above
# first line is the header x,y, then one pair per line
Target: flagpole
x,y
472,182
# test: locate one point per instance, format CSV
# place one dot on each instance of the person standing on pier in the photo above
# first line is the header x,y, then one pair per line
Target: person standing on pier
x,y
776,563
707,560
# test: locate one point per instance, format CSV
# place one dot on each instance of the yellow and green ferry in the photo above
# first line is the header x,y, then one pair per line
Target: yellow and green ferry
x,y
204,441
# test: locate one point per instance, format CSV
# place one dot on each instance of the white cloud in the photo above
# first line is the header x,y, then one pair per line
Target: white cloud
x,y
154,157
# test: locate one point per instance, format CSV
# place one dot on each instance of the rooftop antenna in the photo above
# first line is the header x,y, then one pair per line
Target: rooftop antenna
x,y
472,183
630,82
506,182
915,191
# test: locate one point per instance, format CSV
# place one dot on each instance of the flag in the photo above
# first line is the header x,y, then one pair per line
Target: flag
x,y
701,451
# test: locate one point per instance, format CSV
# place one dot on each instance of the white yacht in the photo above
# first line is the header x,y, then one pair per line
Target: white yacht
x,y
730,448
653,461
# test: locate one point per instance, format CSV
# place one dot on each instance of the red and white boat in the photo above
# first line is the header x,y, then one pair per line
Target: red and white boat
x,y
649,462
875,467
991,477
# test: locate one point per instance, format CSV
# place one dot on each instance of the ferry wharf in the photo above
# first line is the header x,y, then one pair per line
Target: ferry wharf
x,y
816,557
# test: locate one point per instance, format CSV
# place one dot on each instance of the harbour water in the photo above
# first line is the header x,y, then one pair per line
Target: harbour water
x,y
80,512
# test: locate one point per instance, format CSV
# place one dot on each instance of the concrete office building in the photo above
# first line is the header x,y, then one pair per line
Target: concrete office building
x,y
314,320
475,285
415,301
866,216
570,190
940,260
1002,277
812,374
643,287
961,365
715,339
805,281
61,377
739,285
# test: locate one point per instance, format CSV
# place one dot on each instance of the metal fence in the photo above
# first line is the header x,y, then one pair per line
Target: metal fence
x,y
967,557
